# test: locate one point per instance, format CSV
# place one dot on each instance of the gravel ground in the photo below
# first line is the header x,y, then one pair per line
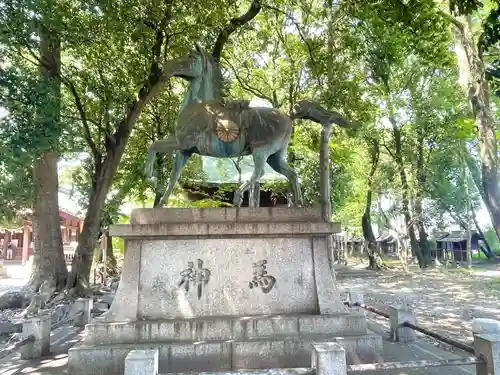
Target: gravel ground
x,y
445,302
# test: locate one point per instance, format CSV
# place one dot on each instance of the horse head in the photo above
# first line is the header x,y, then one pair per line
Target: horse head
x,y
189,67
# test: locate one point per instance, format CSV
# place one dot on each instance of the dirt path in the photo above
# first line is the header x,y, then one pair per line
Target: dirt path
x,y
442,300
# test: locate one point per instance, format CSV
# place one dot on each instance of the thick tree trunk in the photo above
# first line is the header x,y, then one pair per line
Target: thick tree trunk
x,y
82,262
405,200
48,255
473,79
422,234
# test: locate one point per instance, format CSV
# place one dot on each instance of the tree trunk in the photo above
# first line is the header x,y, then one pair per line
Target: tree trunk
x,y
489,253
405,200
82,261
48,255
110,256
366,223
422,234
157,200
473,79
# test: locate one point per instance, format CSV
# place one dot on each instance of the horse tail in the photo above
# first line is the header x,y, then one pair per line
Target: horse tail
x,y
310,110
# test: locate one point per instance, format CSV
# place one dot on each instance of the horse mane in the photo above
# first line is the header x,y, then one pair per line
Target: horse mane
x,y
217,78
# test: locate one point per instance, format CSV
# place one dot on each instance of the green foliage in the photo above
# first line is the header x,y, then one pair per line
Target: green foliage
x,y
372,61
492,239
460,7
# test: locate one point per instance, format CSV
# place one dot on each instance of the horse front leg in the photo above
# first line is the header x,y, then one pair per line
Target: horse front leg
x,y
259,161
162,146
181,159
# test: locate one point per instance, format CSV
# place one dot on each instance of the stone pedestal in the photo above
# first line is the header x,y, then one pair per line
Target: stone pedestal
x,y
220,289
39,327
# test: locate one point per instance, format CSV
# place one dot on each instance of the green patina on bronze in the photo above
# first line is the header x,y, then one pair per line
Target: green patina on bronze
x,y
208,127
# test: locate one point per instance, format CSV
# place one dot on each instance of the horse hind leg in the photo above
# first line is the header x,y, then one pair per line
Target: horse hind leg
x,y
181,159
259,161
161,146
279,164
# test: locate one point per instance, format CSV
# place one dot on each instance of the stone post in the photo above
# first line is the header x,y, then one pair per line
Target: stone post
x,y
142,362
487,347
39,327
356,297
82,305
485,326
328,359
399,315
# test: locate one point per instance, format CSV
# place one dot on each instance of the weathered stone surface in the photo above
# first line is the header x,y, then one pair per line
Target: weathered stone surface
x,y
107,298
224,215
399,315
224,230
83,306
221,355
329,359
9,327
150,286
219,328
222,289
485,326
39,327
142,362
487,346
270,371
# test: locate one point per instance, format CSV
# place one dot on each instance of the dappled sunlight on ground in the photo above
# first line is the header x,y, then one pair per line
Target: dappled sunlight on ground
x,y
53,365
443,301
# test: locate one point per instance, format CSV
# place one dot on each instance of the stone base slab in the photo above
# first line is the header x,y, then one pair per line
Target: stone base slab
x,y
221,355
187,263
100,332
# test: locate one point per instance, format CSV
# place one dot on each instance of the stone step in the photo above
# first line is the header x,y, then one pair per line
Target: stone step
x,y
271,371
222,355
100,332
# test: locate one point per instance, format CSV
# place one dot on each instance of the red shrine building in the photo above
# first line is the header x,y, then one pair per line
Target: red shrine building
x,y
21,239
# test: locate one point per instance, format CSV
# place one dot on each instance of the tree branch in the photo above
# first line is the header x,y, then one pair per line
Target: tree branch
x,y
301,35
249,88
389,151
83,117
232,26
452,20
150,88
388,225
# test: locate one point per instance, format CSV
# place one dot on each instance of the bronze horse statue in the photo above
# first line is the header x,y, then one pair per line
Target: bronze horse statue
x,y
207,127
